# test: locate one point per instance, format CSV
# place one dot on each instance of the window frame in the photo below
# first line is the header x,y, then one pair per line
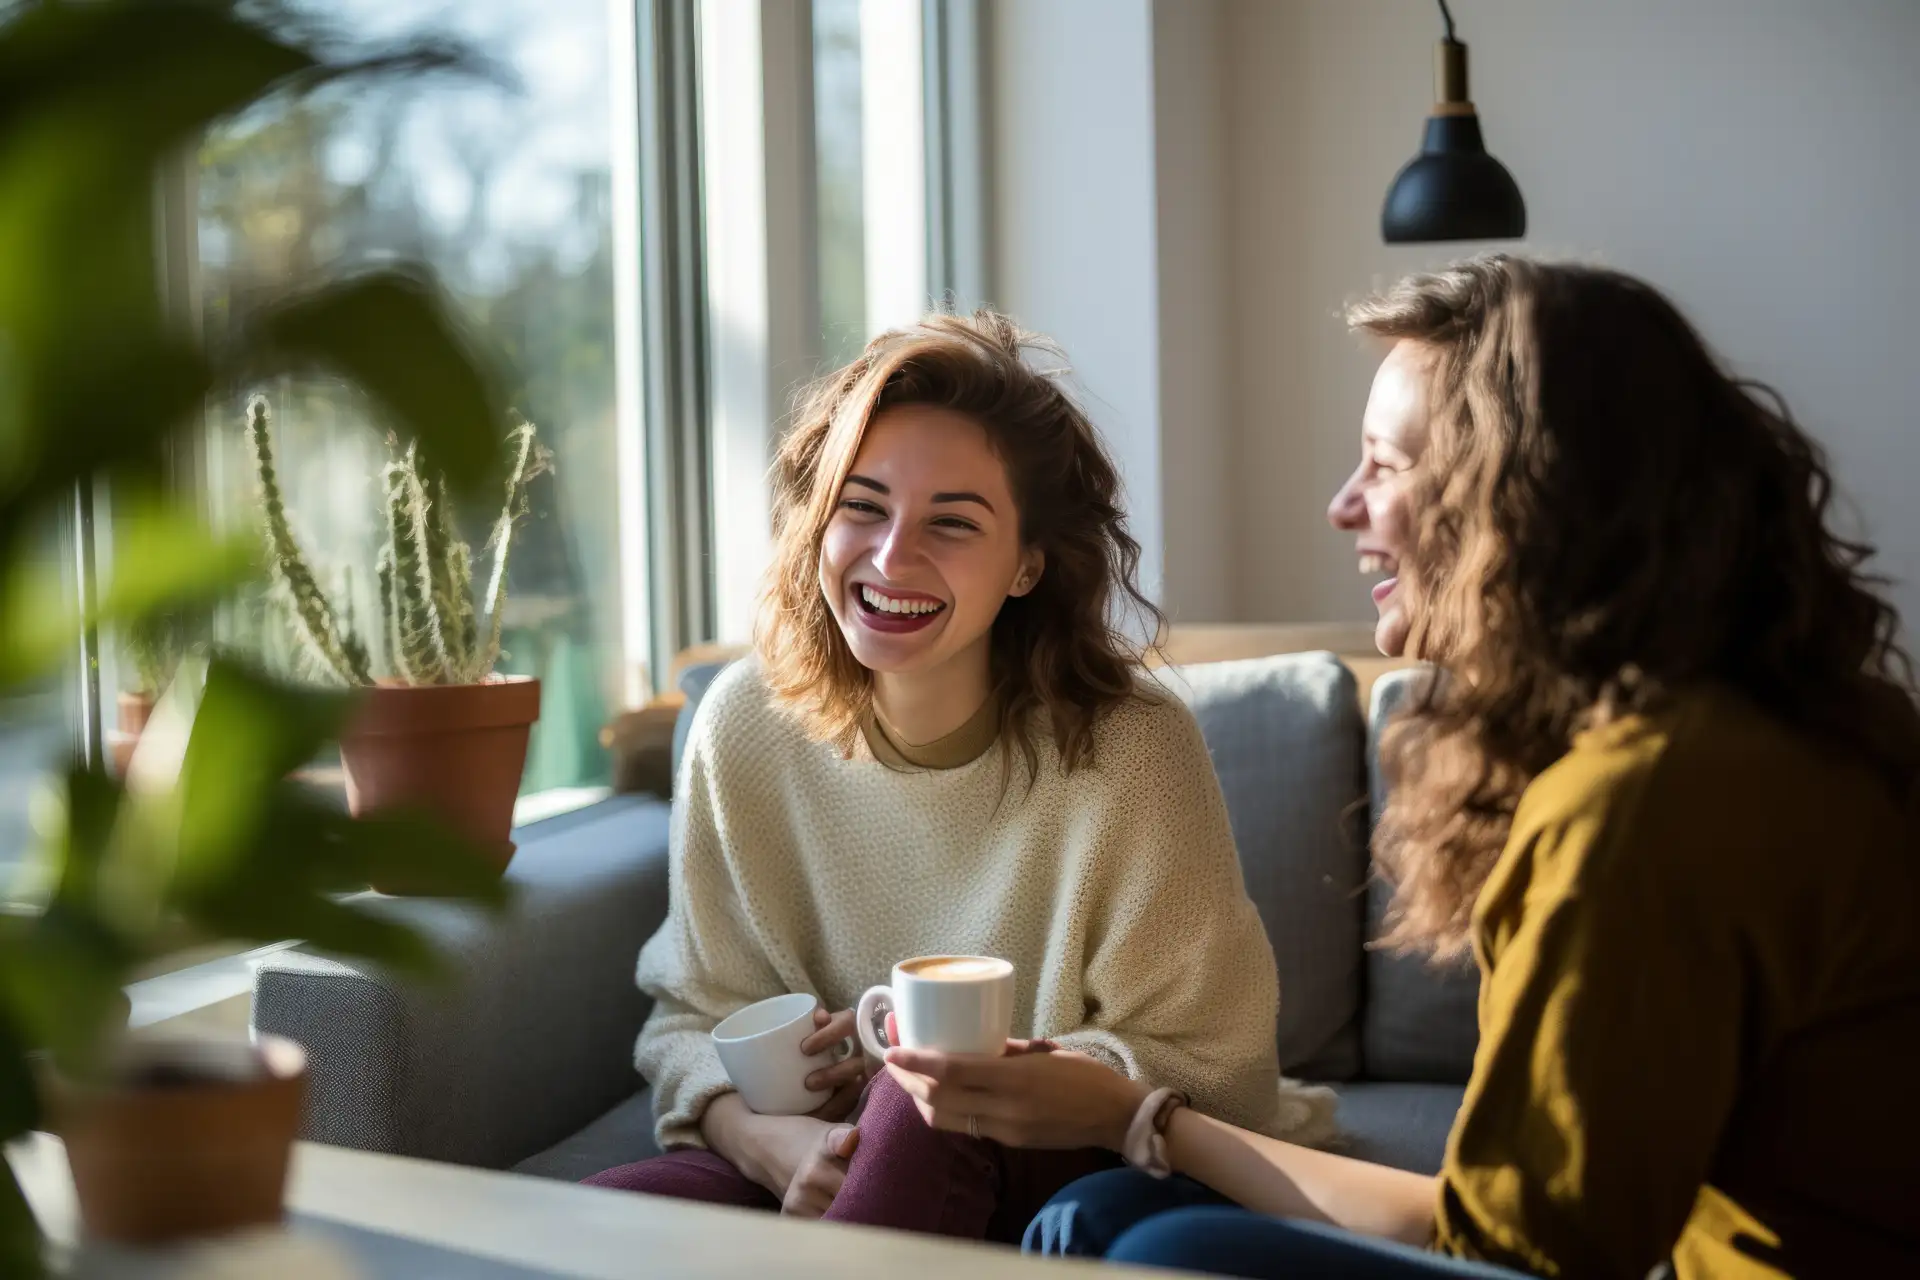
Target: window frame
x,y
670,301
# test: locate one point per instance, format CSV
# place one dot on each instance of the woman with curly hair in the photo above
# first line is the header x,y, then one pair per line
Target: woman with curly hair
x,y
1663,788
943,745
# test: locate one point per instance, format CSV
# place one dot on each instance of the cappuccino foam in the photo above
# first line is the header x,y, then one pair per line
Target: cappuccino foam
x,y
955,968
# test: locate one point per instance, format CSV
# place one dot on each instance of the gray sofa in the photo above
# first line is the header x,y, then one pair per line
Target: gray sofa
x,y
522,1057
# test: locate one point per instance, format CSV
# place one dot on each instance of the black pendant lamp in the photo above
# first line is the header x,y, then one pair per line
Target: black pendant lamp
x,y
1452,190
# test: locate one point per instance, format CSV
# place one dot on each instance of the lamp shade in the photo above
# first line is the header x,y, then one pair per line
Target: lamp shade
x,y
1453,190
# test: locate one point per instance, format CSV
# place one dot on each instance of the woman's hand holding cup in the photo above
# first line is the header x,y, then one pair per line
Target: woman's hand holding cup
x,y
845,1078
775,1050
1032,1096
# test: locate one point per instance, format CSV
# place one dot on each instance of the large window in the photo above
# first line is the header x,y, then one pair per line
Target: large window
x,y
613,207
503,185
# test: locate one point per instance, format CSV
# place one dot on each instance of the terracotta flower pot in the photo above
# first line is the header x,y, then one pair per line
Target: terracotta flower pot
x,y
456,750
188,1138
135,710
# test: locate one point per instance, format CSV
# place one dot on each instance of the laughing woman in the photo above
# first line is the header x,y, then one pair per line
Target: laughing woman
x,y
1666,793
942,746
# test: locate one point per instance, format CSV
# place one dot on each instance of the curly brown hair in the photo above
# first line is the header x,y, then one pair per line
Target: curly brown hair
x,y
1061,654
1604,517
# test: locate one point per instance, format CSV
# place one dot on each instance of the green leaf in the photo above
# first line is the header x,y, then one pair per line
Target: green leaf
x,y
79,846
422,851
60,983
259,854
92,98
164,557
317,847
248,733
19,1092
19,1232
393,335
157,71
84,396
329,925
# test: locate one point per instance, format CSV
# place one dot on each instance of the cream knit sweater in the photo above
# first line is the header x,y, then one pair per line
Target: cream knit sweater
x,y
1115,893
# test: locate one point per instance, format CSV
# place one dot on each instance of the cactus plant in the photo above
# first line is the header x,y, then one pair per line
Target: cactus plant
x,y
430,626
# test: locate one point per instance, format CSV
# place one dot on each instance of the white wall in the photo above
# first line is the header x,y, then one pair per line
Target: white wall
x,y
1757,159
1198,442
1071,146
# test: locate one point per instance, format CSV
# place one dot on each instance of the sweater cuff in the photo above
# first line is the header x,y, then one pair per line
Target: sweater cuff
x,y
1103,1047
677,1120
686,1076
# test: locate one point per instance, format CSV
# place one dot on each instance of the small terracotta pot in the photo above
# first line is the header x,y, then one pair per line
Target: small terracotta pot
x,y
135,710
457,750
188,1138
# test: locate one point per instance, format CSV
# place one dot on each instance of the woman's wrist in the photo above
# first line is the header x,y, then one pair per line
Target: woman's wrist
x,y
1178,1130
729,1131
1126,1104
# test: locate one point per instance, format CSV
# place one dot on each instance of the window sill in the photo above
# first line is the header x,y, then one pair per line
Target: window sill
x,y
542,805
218,991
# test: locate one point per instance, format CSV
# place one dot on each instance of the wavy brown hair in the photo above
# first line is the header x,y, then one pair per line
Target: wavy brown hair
x,y
1604,517
1061,656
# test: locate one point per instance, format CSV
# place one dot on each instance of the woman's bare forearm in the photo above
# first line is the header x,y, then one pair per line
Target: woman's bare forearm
x,y
727,1125
1289,1181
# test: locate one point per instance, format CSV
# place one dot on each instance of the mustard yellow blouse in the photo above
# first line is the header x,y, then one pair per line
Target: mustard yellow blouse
x,y
1699,1013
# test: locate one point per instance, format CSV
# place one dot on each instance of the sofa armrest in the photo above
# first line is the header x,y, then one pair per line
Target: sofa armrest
x,y
529,1037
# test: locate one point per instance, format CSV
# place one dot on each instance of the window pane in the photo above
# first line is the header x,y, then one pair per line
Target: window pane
x,y
36,734
505,190
837,148
37,724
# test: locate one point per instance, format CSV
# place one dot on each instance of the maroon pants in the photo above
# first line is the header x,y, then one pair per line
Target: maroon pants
x,y
904,1174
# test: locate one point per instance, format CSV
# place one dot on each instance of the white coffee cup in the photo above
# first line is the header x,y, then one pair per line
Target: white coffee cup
x,y
760,1048
958,1004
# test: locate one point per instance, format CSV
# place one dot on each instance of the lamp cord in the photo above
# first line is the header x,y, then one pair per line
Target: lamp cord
x,y
1446,15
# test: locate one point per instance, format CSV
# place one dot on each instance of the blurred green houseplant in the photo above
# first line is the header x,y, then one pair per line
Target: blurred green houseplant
x,y
95,381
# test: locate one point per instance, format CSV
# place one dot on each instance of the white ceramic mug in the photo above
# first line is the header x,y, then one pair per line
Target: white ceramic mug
x,y
760,1048
958,1004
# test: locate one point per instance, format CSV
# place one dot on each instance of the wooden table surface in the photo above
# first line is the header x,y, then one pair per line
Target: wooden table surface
x,y
397,1217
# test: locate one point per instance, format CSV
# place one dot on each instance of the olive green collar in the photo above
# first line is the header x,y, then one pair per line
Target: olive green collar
x,y
961,747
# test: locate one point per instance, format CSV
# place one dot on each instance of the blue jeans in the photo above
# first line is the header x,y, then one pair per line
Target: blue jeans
x,y
1126,1216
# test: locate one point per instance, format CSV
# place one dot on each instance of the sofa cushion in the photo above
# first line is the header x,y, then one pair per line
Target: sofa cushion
x,y
1420,1021
694,683
464,1070
621,1136
1286,739
1402,1125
